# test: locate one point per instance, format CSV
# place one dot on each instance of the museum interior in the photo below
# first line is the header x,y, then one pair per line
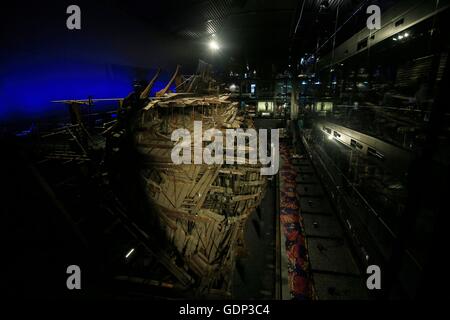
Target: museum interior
x,y
225,149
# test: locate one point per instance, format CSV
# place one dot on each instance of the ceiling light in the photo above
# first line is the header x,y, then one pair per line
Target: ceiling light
x,y
400,37
406,34
213,45
129,253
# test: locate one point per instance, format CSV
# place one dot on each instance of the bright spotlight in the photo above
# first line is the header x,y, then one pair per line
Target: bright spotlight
x,y
406,34
129,253
400,37
213,45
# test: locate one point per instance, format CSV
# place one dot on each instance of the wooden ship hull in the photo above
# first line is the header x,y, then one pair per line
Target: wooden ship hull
x,y
202,209
199,210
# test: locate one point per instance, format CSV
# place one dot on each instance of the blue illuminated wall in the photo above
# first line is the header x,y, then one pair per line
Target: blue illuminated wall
x,y
41,60
30,86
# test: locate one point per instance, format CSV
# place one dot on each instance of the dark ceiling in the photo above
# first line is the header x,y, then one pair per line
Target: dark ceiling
x,y
252,32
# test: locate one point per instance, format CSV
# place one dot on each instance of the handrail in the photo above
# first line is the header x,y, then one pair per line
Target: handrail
x,y
360,196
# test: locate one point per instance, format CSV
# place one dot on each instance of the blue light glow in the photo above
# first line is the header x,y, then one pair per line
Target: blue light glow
x,y
27,88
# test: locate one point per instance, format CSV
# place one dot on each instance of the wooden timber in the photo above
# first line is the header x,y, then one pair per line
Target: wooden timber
x,y
202,208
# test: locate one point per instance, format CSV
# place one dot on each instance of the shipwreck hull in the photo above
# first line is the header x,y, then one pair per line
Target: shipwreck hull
x,y
202,209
